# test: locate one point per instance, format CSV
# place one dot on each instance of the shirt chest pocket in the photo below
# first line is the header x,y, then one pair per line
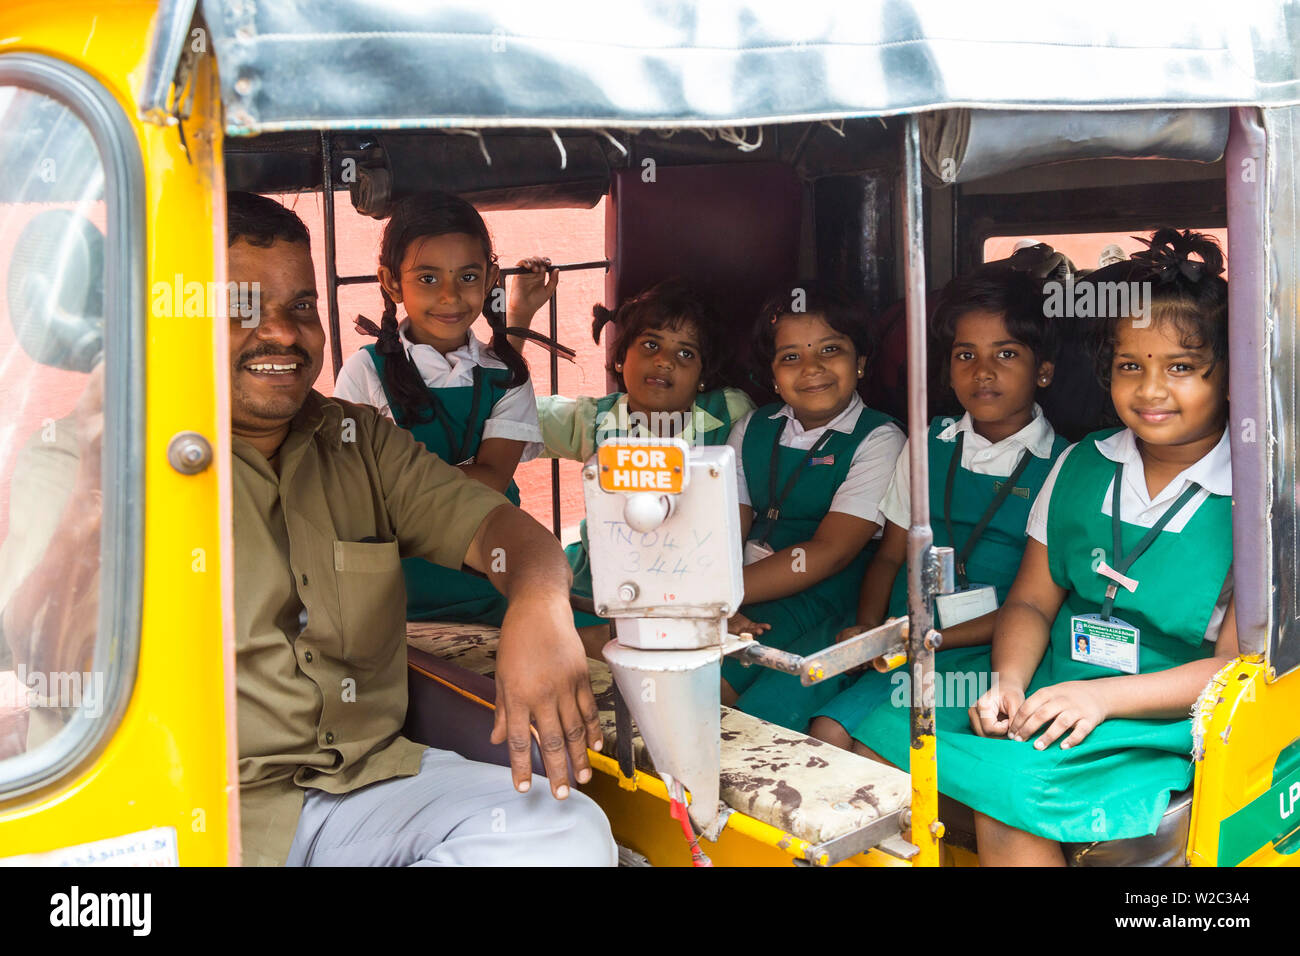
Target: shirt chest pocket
x,y
372,599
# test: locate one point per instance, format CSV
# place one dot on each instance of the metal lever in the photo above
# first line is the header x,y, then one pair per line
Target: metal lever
x,y
889,639
830,661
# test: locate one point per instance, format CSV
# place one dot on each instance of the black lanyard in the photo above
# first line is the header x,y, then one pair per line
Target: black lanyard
x,y
775,501
1003,493
458,450
1125,561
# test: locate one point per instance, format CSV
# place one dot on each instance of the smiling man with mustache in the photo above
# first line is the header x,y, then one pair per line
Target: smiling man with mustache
x,y
328,497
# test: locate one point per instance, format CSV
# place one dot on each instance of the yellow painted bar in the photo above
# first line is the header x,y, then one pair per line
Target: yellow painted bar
x,y
927,831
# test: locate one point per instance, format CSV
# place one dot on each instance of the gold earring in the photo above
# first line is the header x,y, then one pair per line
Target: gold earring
x,y
618,366
701,386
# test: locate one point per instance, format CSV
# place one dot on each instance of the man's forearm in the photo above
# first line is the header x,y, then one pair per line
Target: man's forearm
x,y
520,557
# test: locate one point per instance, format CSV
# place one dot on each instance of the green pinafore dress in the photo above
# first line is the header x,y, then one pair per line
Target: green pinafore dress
x,y
453,433
1116,783
993,558
797,487
715,404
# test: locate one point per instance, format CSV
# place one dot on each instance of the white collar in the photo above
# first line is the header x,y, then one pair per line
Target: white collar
x,y
843,422
426,356
1037,437
1213,471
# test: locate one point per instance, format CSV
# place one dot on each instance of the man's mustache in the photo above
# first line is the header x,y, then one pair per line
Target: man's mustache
x,y
263,351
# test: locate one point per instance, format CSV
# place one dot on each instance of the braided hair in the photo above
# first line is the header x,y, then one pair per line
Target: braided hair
x,y
421,217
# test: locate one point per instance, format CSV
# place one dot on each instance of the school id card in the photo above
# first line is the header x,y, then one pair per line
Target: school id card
x,y
1112,643
756,551
965,604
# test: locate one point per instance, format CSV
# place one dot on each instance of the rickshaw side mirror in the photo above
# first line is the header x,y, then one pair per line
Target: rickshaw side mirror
x,y
56,290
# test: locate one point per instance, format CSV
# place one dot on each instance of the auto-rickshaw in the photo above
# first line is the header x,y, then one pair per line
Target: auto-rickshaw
x,y
879,145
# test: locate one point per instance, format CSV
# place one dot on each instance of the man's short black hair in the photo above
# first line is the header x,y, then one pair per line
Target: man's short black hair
x,y
260,221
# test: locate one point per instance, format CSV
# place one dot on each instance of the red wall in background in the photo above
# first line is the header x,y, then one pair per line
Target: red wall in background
x,y
565,235
1083,249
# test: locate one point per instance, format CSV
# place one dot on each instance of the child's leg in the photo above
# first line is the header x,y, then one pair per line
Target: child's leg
x,y
862,750
830,731
1001,845
729,695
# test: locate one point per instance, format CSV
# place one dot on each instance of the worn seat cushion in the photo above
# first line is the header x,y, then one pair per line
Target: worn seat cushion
x,y
802,786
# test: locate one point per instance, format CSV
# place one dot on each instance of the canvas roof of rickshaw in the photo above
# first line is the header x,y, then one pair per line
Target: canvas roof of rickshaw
x,y
398,64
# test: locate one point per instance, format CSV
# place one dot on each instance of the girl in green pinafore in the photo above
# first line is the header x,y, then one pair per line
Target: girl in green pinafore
x,y
997,350
812,472
665,358
469,403
1122,610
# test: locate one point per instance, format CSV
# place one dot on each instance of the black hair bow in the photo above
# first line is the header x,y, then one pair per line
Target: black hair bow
x,y
1167,263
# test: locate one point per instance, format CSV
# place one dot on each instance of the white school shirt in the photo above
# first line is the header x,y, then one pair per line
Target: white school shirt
x,y
978,455
1213,472
514,416
869,471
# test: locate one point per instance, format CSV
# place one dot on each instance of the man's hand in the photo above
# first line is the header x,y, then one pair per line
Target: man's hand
x,y
1073,706
997,707
529,291
542,678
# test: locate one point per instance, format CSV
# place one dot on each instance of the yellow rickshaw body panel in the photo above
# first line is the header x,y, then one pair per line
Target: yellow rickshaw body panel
x,y
169,762
638,815
1245,812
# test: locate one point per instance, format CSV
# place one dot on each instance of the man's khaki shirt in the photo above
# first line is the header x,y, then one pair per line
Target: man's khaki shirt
x,y
322,694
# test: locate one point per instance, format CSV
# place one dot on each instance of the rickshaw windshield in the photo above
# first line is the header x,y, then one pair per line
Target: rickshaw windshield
x,y
69,577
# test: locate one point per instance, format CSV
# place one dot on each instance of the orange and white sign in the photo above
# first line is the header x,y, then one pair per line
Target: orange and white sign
x,y
642,467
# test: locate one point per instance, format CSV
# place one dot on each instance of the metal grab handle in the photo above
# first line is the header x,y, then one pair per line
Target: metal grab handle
x,y
830,661
939,573
886,640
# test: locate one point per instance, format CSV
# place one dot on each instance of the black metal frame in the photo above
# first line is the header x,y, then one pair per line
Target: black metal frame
x,y
333,280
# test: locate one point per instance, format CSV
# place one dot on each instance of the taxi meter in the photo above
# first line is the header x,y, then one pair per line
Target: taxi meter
x,y
663,529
